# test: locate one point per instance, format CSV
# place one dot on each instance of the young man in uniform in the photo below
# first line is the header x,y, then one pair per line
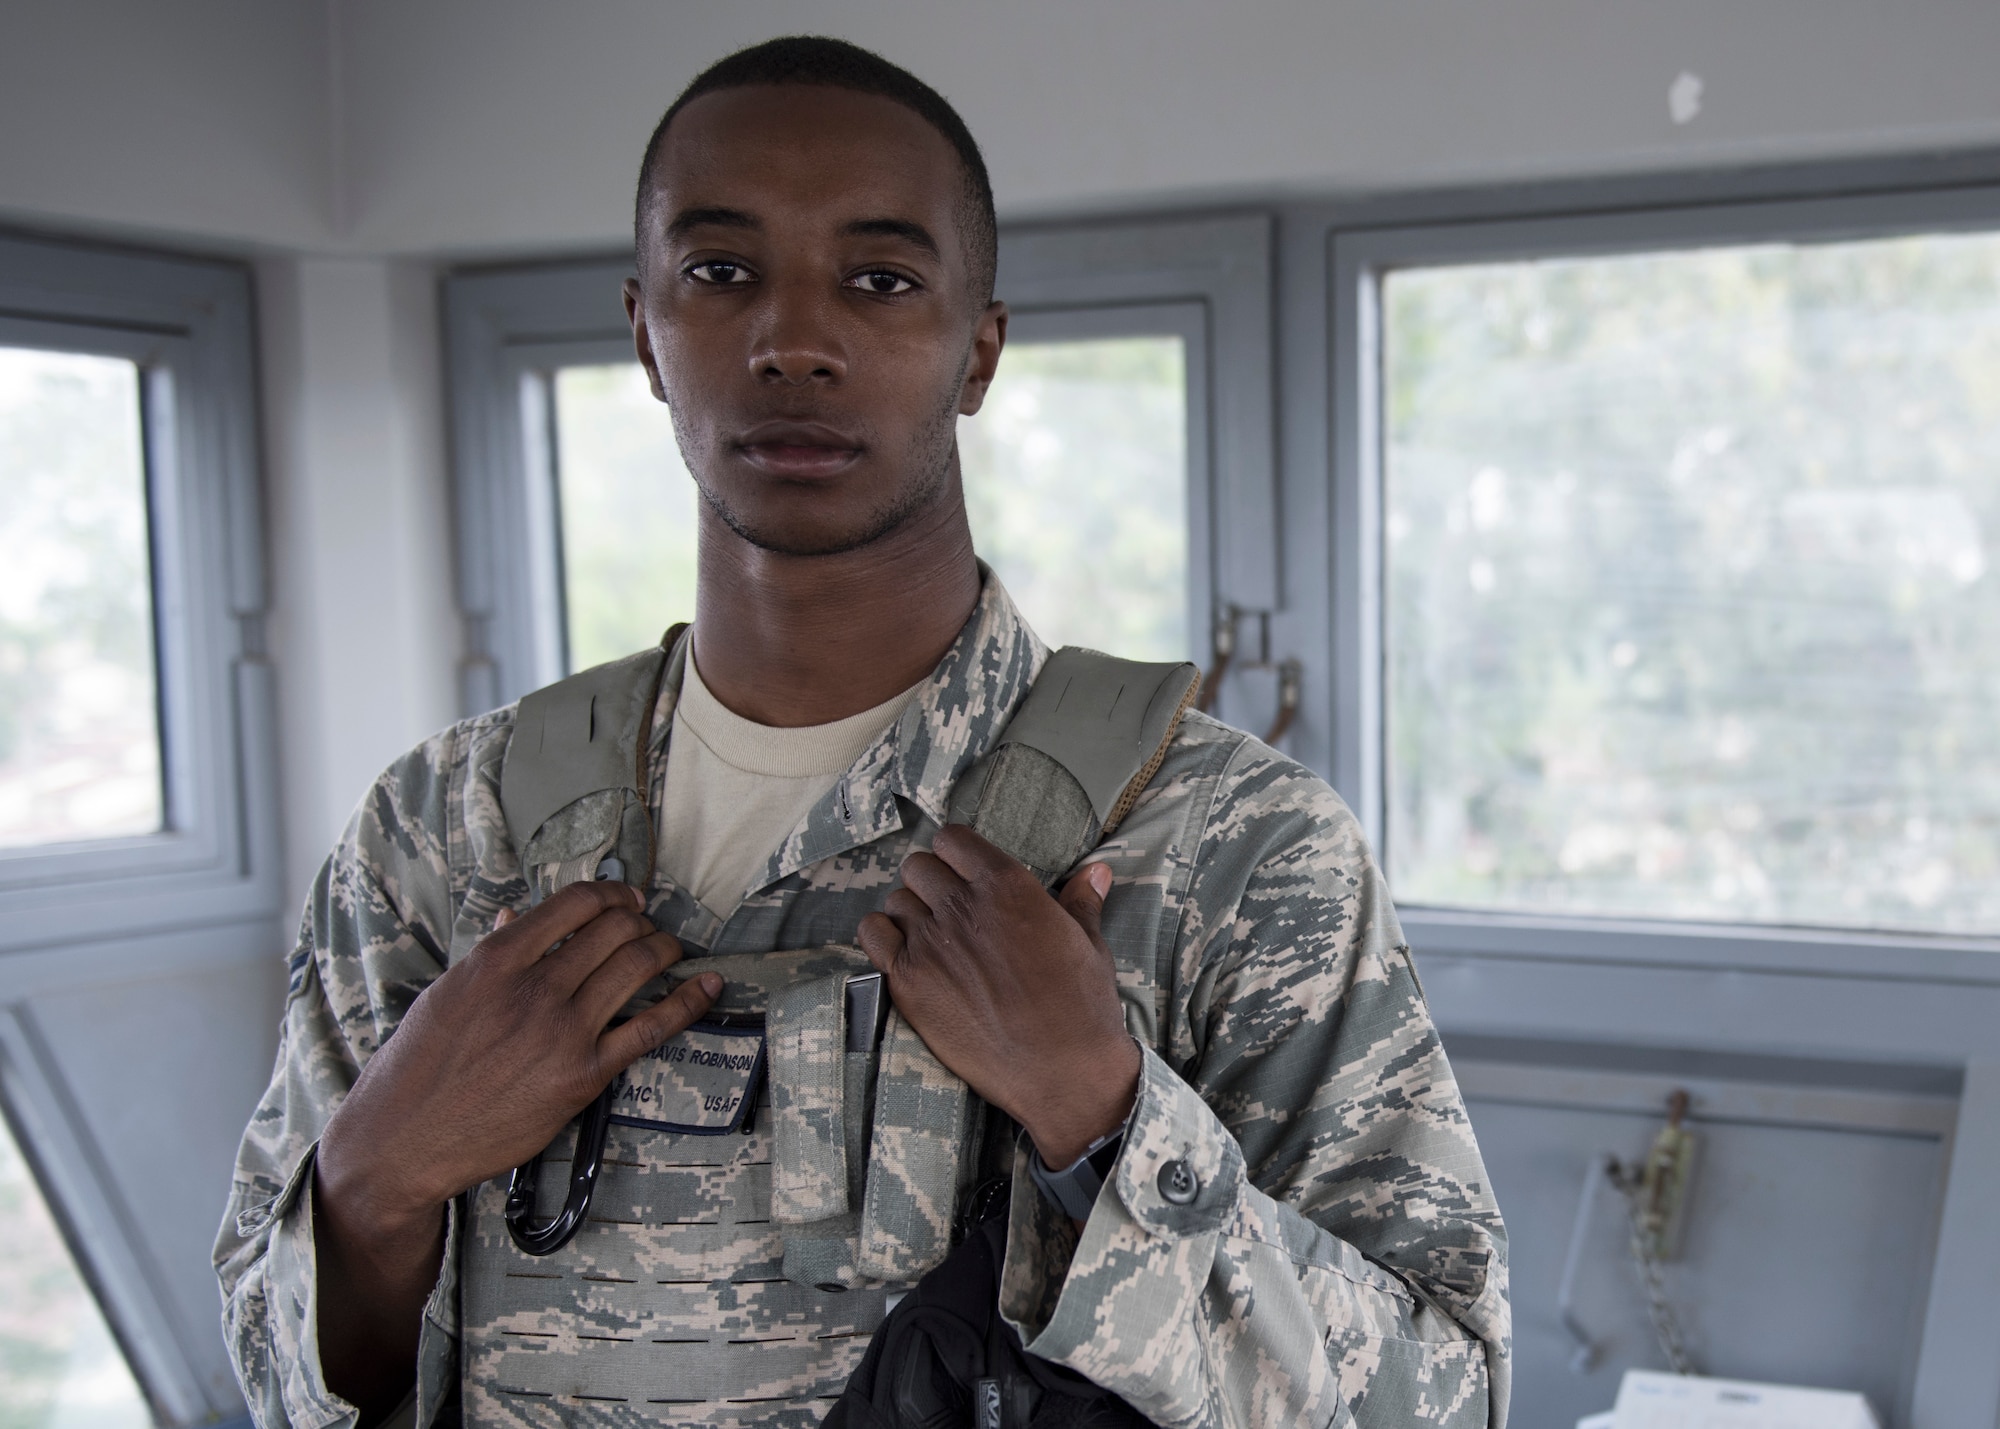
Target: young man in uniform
x,y
1296,1227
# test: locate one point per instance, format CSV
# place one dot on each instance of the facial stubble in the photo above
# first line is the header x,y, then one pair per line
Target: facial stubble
x,y
929,465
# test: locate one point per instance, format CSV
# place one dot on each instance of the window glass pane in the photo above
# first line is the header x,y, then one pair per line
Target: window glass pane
x,y
628,513
79,724
1076,482
59,1366
1690,589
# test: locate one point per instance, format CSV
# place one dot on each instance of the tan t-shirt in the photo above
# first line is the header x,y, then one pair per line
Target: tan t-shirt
x,y
736,788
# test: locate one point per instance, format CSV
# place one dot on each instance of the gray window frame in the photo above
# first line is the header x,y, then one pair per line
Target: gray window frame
x,y
187,325
505,330
1358,256
1215,274
1521,989
204,891
1207,279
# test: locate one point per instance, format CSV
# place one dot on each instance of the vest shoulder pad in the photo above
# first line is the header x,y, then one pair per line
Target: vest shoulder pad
x,y
579,736
1106,721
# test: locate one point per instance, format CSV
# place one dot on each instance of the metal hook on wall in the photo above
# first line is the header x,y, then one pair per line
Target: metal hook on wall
x,y
1291,682
1291,674
1655,1192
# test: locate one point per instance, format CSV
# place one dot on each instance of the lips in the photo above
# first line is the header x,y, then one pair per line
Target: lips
x,y
800,451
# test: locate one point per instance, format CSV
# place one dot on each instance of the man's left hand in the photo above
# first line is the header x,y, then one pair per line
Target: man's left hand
x,y
1015,991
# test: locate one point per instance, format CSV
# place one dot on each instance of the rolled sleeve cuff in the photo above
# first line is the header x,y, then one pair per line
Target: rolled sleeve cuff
x,y
292,1278
1180,1171
1115,1302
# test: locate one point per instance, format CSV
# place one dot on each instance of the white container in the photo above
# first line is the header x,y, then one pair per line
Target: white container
x,y
1649,1399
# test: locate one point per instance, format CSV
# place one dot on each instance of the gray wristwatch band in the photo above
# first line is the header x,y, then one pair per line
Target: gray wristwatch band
x,y
1073,1190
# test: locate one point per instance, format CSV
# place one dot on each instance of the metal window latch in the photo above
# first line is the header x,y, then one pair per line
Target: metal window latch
x,y
1655,1193
1290,673
1661,1194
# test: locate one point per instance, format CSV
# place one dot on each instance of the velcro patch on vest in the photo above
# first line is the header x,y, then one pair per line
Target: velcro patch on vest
x,y
702,1082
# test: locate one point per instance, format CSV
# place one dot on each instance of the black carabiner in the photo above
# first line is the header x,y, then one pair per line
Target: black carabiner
x,y
550,1236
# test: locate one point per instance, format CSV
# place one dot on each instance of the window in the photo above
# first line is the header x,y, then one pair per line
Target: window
x,y
134,701
1688,603
1667,683
1076,483
627,512
1120,477
138,830
1686,608
79,732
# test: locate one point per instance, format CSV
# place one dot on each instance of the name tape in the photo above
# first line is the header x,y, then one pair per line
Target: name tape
x,y
700,1083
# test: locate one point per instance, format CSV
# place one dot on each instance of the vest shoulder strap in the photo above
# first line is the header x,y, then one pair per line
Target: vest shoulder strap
x,y
1106,721
1075,756
1072,761
584,736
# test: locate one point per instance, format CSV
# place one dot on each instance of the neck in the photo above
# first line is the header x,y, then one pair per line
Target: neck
x,y
802,640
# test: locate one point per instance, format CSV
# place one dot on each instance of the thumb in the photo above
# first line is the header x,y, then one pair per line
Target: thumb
x,y
1083,897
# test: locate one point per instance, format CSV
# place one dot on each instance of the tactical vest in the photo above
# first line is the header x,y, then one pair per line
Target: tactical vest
x,y
735,1278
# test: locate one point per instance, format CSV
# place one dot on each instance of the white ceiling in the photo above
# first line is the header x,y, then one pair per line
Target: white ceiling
x,y
513,126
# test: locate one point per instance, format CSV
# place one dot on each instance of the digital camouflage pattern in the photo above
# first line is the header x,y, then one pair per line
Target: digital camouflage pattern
x,y
1298,1231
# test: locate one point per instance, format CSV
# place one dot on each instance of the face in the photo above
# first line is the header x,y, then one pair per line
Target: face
x,y
806,311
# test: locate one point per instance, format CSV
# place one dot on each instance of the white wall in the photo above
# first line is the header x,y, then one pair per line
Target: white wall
x,y
485,126
479,125
364,628
205,118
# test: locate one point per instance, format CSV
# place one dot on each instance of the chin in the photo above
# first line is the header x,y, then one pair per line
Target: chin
x,y
805,542
793,533
790,531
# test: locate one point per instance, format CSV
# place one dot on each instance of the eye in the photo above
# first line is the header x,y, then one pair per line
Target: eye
x,y
719,271
882,282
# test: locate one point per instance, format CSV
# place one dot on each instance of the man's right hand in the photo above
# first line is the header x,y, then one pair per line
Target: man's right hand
x,y
490,1062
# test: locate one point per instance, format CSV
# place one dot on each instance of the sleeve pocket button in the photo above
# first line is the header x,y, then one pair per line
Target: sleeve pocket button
x,y
1177,1183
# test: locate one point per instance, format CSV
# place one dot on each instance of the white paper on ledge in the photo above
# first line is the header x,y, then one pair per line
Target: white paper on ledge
x,y
1651,1399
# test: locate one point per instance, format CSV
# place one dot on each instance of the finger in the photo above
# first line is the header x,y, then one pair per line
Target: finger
x,y
971,856
565,969
673,1014
617,979
907,911
932,879
529,936
502,919
1083,898
881,939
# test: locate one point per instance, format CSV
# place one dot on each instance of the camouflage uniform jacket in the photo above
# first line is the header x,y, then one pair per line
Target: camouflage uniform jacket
x,y
1341,1259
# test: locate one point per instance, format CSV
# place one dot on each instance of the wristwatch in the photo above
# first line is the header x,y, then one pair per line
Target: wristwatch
x,y
1073,1190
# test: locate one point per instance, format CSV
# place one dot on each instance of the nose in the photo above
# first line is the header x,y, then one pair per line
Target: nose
x,y
799,341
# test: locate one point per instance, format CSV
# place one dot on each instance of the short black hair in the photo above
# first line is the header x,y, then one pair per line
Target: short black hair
x,y
836,64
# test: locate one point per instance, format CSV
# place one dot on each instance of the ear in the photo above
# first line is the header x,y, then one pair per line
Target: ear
x,y
642,337
987,340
